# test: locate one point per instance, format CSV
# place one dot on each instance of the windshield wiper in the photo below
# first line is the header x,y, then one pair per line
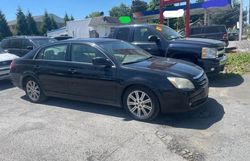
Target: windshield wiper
x,y
137,61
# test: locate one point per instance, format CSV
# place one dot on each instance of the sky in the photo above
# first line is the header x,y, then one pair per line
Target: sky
x,y
78,8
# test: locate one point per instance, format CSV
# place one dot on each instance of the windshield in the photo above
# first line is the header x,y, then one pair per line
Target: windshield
x,y
44,41
125,53
167,32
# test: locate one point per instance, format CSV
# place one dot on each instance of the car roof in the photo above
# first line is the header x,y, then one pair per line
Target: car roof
x,y
28,37
90,40
135,25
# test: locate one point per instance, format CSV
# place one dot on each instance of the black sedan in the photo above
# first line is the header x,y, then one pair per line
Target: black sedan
x,y
112,72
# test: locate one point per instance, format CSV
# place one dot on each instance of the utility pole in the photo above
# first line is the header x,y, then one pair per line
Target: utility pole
x,y
240,20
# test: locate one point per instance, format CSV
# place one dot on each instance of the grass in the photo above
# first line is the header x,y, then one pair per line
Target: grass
x,y
238,63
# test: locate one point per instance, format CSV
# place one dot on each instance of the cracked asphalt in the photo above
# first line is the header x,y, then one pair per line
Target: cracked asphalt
x,y
63,130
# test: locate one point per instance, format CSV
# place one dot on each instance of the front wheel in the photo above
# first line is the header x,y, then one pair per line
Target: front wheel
x,y
141,103
34,91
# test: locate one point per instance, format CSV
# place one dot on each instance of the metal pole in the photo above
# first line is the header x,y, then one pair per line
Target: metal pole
x,y
187,18
240,20
161,11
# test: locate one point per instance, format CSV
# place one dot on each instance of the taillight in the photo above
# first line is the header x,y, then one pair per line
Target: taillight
x,y
225,36
12,64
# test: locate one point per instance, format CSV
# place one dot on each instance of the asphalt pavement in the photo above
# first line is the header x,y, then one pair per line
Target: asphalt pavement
x,y
64,130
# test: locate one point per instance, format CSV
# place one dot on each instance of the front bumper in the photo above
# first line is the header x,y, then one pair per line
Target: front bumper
x,y
183,101
213,65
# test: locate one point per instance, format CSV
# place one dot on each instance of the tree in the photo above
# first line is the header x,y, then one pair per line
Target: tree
x,y
66,18
154,5
32,27
138,6
122,10
95,14
46,24
53,23
72,18
228,18
4,28
21,27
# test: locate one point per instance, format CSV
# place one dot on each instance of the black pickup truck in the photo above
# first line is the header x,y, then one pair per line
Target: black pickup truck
x,y
160,40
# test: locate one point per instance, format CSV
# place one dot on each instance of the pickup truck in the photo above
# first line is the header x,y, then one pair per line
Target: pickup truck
x,y
160,40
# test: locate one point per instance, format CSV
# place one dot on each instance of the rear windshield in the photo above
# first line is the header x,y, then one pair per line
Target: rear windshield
x,y
208,29
44,41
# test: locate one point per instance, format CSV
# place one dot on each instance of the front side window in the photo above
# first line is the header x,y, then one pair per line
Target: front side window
x,y
84,53
26,43
57,52
125,53
142,34
167,32
15,43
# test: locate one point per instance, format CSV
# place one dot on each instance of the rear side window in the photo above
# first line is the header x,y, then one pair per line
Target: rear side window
x,y
56,52
123,34
5,44
84,53
15,44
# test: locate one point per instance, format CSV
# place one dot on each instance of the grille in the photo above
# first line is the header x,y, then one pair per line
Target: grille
x,y
221,52
5,63
201,80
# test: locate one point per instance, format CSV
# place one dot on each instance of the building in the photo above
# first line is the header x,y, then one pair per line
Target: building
x,y
38,20
91,27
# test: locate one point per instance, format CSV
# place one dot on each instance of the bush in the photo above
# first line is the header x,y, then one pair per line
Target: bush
x,y
238,63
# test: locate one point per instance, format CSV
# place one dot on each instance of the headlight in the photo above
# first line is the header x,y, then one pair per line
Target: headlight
x,y
209,53
181,83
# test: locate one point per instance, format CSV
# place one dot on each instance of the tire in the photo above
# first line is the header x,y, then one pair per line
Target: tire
x,y
33,91
141,103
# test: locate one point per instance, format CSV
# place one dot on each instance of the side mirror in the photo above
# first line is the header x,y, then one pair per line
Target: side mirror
x,y
153,38
98,61
30,47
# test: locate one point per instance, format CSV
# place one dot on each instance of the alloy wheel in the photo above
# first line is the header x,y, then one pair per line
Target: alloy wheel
x,y
139,104
33,90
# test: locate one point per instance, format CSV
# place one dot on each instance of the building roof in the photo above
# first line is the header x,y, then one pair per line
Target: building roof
x,y
40,19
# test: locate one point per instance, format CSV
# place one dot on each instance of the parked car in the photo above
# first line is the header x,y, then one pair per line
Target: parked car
x,y
111,72
21,45
163,41
216,32
233,35
5,61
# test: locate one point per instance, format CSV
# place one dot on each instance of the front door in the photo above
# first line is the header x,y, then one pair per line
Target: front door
x,y
94,83
141,35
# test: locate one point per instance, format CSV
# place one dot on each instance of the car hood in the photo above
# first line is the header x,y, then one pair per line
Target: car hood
x,y
169,67
201,42
7,56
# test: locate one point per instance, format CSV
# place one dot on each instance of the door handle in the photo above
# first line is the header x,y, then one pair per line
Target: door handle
x,y
72,70
36,66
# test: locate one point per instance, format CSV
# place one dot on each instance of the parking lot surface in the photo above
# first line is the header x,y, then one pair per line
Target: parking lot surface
x,y
65,130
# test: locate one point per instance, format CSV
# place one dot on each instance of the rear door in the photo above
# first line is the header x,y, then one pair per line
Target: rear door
x,y
140,38
51,67
93,83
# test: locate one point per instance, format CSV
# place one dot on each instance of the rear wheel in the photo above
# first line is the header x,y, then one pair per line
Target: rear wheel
x,y
34,91
141,103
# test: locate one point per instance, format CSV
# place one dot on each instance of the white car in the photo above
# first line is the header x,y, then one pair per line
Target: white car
x,y
5,61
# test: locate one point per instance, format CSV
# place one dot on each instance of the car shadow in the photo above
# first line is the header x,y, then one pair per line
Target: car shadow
x,y
201,118
5,84
225,80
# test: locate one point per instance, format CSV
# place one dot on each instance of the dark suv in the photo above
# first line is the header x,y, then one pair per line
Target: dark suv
x,y
216,32
21,45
